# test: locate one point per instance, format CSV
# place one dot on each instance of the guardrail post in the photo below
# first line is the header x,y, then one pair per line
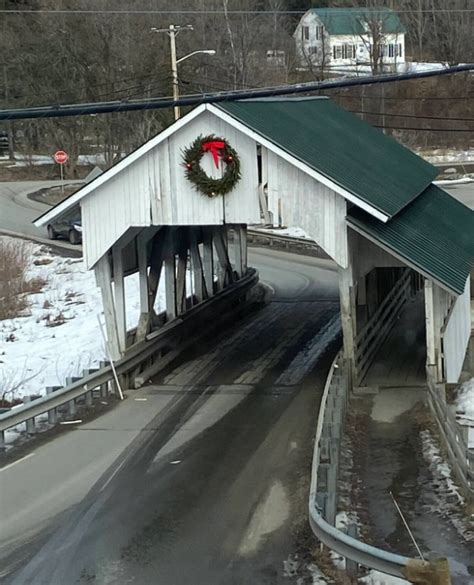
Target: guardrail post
x,y
104,388
352,568
30,423
2,441
89,398
53,413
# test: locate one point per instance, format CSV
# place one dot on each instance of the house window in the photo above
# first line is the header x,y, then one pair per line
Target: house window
x,y
305,33
313,50
337,52
348,51
319,33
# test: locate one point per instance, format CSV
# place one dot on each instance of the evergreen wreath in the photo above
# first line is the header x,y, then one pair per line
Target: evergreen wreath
x,y
220,149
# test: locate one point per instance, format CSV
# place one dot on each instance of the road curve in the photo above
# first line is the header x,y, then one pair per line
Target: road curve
x,y
201,480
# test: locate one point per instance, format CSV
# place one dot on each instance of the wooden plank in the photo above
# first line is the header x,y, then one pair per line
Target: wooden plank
x,y
346,298
148,296
208,261
119,294
226,276
103,275
196,265
170,275
243,250
181,271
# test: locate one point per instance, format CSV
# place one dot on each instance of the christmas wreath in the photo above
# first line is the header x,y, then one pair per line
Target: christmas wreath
x,y
221,151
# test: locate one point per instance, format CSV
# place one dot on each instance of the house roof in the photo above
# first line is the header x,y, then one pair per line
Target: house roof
x,y
433,234
350,21
337,144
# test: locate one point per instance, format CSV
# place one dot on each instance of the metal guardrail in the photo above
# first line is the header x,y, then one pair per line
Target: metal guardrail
x,y
322,496
160,345
258,236
460,456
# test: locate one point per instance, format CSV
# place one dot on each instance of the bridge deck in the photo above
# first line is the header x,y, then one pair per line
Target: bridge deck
x,y
401,359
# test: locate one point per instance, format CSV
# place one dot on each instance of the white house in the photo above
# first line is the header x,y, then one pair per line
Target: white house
x,y
331,37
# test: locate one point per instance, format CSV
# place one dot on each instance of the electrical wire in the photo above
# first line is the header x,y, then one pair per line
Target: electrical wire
x,y
56,111
386,114
207,12
416,116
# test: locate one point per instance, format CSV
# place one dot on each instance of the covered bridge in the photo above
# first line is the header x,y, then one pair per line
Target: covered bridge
x,y
366,200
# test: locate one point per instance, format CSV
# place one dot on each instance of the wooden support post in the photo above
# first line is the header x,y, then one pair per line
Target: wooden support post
x,y
182,240
196,264
208,261
149,282
119,294
243,250
433,334
346,297
170,275
103,277
226,276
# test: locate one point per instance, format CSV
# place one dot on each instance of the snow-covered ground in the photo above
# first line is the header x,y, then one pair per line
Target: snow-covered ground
x,y
465,402
292,232
464,408
447,155
36,351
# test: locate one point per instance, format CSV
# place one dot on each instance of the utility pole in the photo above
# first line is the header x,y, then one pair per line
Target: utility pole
x,y
174,71
172,31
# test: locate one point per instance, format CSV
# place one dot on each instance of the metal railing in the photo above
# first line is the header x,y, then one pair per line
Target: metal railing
x,y
322,496
372,335
163,345
301,245
460,456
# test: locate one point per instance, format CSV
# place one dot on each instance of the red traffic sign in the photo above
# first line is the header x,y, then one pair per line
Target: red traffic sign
x,y
61,157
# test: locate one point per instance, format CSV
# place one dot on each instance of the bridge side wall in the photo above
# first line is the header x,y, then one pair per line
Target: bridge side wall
x,y
301,201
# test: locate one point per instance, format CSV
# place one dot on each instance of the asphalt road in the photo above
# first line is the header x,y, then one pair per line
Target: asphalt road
x,y
17,211
201,477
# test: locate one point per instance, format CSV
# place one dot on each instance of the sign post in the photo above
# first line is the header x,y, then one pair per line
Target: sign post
x,y
61,157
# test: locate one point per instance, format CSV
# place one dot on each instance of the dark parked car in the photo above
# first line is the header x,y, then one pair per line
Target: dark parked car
x,y
67,226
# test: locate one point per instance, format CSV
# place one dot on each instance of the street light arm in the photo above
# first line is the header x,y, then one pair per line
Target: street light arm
x,y
202,51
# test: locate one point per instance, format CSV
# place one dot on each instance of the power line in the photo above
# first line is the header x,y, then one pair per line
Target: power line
x,y
423,129
431,98
417,116
223,12
58,111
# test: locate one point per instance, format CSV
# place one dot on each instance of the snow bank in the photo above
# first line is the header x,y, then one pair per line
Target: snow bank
x,y
376,578
465,403
291,232
59,335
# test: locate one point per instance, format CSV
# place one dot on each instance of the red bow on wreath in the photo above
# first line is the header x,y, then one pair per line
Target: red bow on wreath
x,y
214,147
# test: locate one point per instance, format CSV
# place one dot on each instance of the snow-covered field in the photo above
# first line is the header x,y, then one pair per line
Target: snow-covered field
x,y
59,335
446,155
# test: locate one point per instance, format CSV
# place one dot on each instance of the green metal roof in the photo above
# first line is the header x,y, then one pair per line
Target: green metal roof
x,y
337,144
435,234
350,21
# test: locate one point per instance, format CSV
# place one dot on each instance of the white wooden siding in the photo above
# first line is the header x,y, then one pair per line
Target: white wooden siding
x,y
177,202
306,203
366,255
118,204
153,190
456,336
